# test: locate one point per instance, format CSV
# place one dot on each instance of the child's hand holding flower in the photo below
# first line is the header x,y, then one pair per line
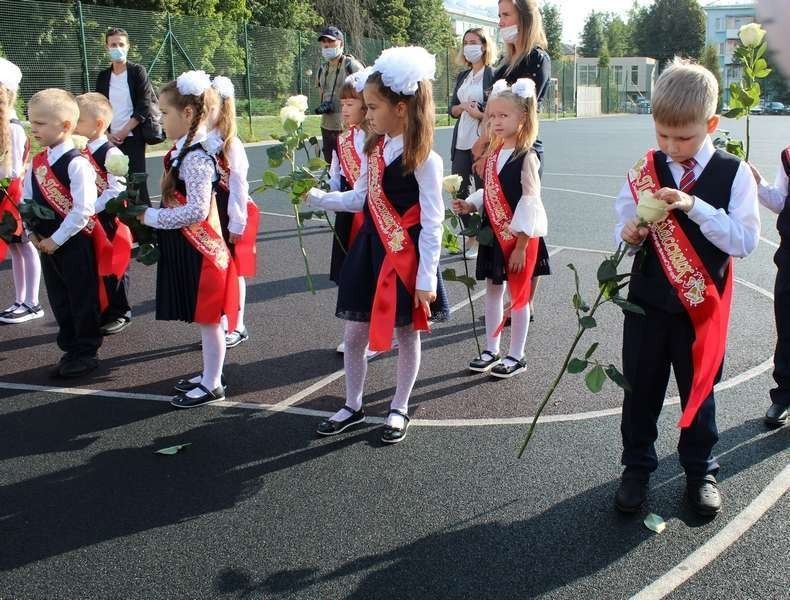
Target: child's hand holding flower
x,y
675,199
462,207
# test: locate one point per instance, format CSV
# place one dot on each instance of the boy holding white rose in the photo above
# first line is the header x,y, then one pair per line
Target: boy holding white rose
x,y
111,165
698,207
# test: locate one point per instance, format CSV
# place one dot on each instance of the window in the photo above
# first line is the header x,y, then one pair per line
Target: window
x,y
635,74
718,23
721,49
618,75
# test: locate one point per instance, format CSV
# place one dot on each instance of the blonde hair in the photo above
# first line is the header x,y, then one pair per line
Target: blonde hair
x,y
489,48
97,106
349,92
226,120
6,101
200,109
531,34
56,103
420,119
685,93
528,126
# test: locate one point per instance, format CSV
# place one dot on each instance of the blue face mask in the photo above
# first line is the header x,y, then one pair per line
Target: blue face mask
x,y
117,54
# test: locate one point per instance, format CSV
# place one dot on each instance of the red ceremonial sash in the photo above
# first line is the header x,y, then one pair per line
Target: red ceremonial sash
x,y
500,215
351,165
401,261
58,197
708,310
245,250
218,285
9,203
121,242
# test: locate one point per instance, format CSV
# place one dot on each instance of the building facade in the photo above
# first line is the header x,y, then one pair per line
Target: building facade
x,y
463,20
632,76
724,20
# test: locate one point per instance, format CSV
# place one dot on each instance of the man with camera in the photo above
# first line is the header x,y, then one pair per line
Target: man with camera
x,y
331,77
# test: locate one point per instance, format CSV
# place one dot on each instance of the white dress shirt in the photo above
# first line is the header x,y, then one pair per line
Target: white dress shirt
x,y
429,179
335,171
120,100
529,218
238,186
468,126
115,185
16,167
82,189
735,232
198,173
773,196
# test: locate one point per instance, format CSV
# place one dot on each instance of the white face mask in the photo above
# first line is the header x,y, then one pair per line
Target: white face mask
x,y
331,52
473,52
509,34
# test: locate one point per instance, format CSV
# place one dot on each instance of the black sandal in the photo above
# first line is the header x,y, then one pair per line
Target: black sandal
x,y
393,435
330,427
482,364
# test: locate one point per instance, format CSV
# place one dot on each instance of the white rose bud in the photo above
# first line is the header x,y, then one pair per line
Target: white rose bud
x,y
451,184
291,113
650,209
298,102
117,164
80,141
751,35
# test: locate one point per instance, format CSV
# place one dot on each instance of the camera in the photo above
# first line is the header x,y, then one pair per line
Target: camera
x,y
325,108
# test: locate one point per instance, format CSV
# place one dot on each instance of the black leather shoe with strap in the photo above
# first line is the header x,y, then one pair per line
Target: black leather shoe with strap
x,y
393,435
484,362
185,401
331,427
505,371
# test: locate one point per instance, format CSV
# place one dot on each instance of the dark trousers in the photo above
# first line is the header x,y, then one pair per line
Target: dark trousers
x,y
651,345
329,142
117,289
134,148
462,165
781,393
71,280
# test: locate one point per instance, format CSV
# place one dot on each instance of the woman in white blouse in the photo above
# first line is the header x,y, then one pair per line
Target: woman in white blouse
x,y
477,53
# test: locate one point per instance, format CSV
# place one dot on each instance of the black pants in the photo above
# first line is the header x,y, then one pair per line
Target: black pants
x,y
329,142
71,279
651,345
117,289
462,165
781,393
134,148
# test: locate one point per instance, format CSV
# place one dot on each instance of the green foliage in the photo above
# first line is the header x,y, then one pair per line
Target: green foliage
x,y
430,25
668,28
552,24
592,35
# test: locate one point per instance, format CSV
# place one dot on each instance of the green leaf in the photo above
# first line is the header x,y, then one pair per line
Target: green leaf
x,y
572,267
313,141
607,271
616,376
595,378
473,224
42,212
588,322
306,215
735,147
148,254
270,179
762,73
579,303
316,164
628,306
173,449
591,350
454,221
577,365
485,237
761,50
735,113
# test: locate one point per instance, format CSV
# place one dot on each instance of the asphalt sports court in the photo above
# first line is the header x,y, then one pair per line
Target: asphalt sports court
x,y
258,507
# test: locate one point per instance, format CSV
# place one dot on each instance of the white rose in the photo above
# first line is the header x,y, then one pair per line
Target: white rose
x,y
751,35
649,209
299,102
80,141
451,184
117,164
291,113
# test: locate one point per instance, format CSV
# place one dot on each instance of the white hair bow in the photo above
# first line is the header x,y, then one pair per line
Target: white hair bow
x,y
193,83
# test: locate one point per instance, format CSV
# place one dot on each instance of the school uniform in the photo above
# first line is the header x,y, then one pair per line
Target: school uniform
x,y
342,176
777,199
724,222
108,187
20,151
64,181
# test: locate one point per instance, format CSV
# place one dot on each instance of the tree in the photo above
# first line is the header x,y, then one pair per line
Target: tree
x,y
284,14
430,25
669,28
592,35
552,24
392,17
710,60
617,34
603,57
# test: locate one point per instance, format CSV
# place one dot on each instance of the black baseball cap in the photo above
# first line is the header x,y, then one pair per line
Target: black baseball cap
x,y
330,33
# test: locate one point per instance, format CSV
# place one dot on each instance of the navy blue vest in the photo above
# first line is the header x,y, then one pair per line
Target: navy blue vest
x,y
402,191
649,286
783,222
510,180
100,155
61,171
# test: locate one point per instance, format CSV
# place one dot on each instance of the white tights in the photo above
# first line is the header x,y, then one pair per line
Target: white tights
x,y
519,323
213,338
26,269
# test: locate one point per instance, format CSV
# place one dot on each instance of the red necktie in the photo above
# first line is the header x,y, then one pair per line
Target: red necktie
x,y
688,179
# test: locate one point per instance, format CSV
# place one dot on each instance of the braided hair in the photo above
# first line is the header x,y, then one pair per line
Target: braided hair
x,y
200,112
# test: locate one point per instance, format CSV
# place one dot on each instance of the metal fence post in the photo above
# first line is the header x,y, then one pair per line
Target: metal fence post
x,y
447,75
247,76
170,40
299,59
83,50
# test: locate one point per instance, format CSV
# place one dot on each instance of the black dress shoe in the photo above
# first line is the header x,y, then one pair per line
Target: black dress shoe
x,y
330,427
703,495
484,362
183,386
77,367
776,415
631,494
115,326
184,401
393,435
503,371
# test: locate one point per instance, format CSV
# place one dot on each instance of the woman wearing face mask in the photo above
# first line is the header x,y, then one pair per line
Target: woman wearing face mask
x,y
127,87
477,53
521,29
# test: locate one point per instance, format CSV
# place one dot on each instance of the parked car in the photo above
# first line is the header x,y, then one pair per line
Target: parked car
x,y
644,107
775,108
757,110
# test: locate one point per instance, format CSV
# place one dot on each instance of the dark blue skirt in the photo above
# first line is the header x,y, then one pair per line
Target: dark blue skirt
x,y
177,277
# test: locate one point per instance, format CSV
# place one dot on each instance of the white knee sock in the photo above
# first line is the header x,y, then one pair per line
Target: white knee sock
x,y
32,266
242,300
519,327
18,271
213,338
355,363
494,313
409,355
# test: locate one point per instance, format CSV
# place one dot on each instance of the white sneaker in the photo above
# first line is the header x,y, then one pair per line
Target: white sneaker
x,y
22,314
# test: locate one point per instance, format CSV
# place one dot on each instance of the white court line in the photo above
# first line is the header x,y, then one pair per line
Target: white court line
x,y
710,550
765,240
554,189
586,175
